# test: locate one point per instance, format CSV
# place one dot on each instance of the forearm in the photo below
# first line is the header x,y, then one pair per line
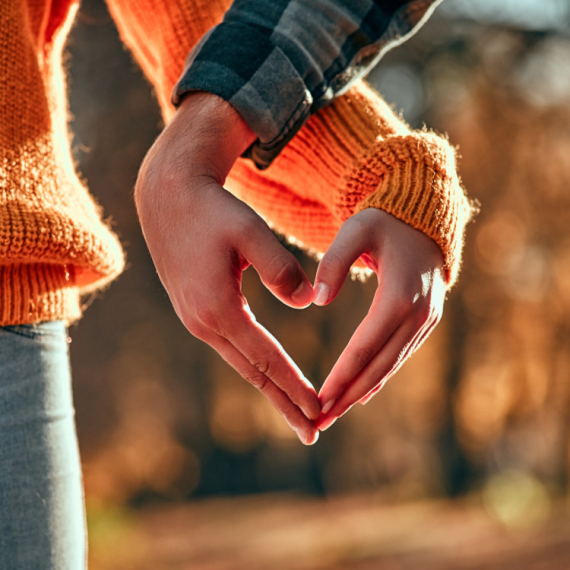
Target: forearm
x,y
205,137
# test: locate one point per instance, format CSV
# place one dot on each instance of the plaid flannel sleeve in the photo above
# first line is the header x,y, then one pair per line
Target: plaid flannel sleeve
x,y
278,61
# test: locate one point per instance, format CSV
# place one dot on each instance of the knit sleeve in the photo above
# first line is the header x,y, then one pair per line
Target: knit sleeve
x,y
356,154
279,61
352,154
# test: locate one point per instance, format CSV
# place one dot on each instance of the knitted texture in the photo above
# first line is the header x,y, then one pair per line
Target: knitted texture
x,y
353,154
53,245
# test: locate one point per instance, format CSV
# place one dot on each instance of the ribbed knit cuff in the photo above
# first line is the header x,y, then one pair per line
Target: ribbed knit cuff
x,y
413,178
355,154
37,292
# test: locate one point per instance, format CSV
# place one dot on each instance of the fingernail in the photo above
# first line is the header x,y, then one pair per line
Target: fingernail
x,y
327,424
322,292
328,405
303,294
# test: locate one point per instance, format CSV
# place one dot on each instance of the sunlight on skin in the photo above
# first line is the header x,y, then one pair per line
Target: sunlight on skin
x,y
276,343
405,309
217,236
231,236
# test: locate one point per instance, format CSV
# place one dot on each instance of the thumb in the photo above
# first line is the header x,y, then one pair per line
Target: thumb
x,y
349,244
278,269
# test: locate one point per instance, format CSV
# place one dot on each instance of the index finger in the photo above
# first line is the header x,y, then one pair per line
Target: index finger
x,y
384,364
265,354
305,428
371,335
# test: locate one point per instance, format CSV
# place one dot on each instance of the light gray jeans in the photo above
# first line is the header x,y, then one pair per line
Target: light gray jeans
x,y
42,515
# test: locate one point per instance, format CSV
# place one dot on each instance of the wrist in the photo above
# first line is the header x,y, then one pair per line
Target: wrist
x,y
214,132
197,147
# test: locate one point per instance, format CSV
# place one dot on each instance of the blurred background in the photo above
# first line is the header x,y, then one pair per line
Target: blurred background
x,y
462,460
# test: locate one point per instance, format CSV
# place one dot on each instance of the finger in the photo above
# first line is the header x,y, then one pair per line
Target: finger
x,y
371,395
278,269
349,244
369,338
233,320
305,428
265,354
422,335
384,363
225,312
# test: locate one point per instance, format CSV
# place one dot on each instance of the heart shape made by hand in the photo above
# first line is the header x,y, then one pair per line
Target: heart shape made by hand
x,y
406,307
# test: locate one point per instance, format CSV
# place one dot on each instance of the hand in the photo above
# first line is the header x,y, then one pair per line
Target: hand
x,y
407,305
201,239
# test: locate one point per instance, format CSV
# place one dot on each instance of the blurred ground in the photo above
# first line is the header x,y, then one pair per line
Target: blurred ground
x,y
363,532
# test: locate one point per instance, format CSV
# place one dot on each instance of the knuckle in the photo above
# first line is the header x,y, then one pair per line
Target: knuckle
x,y
283,270
257,379
364,355
332,262
287,410
208,317
250,224
262,366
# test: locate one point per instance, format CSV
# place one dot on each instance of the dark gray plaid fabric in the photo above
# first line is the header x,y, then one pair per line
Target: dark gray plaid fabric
x,y
278,61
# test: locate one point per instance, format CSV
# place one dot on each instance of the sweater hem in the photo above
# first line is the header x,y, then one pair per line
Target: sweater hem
x,y
33,293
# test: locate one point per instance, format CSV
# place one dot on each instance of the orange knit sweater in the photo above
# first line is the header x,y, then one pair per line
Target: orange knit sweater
x,y
53,245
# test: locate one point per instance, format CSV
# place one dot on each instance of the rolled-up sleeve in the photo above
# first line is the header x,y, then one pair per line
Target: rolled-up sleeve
x,y
278,61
